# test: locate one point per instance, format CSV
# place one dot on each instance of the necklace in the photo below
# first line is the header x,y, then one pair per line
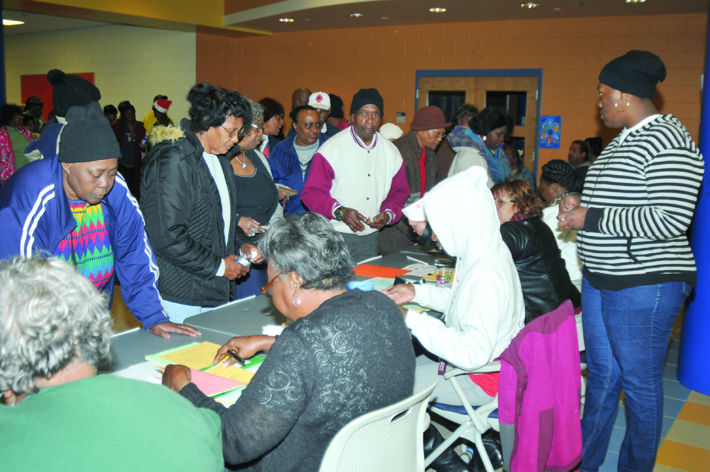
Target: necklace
x,y
243,164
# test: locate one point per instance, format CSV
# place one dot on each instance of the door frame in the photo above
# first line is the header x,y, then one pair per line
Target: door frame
x,y
489,73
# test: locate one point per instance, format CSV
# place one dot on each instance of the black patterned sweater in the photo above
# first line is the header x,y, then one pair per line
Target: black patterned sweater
x,y
352,355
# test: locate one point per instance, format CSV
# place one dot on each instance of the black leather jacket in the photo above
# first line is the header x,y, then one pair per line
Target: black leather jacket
x,y
183,218
543,277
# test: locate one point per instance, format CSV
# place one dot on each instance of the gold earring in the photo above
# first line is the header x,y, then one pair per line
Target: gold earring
x,y
616,105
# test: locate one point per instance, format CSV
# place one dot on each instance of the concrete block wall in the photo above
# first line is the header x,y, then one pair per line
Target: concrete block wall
x,y
128,62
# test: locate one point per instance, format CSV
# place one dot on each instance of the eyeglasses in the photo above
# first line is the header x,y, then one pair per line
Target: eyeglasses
x,y
266,288
434,133
500,203
310,124
258,127
233,133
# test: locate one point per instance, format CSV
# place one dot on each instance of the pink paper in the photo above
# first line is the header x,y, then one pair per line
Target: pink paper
x,y
211,384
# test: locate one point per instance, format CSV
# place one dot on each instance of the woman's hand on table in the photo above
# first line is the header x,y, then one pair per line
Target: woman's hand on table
x,y
400,293
164,329
253,253
243,346
176,377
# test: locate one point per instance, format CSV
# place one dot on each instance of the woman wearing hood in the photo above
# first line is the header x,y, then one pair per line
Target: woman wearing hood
x,y
483,307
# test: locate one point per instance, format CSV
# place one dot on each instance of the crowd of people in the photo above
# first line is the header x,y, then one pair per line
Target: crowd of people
x,y
226,204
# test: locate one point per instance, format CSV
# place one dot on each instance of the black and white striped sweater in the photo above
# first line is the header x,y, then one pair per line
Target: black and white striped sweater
x,y
641,195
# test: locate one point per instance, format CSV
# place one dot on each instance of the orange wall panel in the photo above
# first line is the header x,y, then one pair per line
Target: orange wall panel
x,y
571,52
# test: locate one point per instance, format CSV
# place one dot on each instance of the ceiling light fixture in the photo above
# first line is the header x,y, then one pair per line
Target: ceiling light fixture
x,y
437,10
635,1
529,5
12,22
356,14
286,20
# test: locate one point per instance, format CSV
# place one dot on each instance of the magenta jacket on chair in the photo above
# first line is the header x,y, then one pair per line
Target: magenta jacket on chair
x,y
539,393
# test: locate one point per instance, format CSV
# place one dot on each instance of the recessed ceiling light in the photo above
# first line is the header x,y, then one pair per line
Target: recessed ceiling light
x,y
437,10
384,18
286,20
12,22
529,5
635,1
356,14
556,9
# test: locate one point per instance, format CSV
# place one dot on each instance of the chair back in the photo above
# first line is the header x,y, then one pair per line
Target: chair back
x,y
386,439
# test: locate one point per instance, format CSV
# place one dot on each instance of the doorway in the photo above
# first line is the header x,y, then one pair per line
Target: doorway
x,y
517,91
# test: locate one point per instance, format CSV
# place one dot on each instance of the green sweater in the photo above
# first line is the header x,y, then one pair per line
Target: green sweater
x,y
109,423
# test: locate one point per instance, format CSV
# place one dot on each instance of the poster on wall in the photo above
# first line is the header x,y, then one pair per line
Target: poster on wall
x,y
550,131
36,85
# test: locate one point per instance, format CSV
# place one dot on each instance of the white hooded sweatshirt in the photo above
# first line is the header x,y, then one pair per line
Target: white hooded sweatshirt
x,y
483,308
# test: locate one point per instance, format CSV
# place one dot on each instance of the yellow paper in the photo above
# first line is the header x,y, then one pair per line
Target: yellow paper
x,y
231,372
196,357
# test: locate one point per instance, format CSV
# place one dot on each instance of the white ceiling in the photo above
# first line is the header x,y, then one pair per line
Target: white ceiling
x,y
336,14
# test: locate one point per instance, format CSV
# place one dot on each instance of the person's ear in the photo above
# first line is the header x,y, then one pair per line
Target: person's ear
x,y
8,397
295,281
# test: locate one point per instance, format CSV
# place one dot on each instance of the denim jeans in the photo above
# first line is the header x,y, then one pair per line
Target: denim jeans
x,y
626,333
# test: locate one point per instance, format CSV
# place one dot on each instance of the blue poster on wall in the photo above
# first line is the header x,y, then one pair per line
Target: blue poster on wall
x,y
550,131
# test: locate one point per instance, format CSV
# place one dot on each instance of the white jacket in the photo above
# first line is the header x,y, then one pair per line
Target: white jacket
x,y
567,243
483,309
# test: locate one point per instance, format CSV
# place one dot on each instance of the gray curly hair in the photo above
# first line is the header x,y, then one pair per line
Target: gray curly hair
x,y
309,246
49,315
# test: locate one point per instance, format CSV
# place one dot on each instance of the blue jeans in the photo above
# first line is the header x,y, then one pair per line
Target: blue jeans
x,y
626,333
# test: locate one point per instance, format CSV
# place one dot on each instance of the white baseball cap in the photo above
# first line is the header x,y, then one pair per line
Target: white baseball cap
x,y
319,100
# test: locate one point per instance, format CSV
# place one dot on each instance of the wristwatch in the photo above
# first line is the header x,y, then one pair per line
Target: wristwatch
x,y
338,213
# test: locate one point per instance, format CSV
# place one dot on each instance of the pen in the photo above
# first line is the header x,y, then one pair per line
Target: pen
x,y
234,355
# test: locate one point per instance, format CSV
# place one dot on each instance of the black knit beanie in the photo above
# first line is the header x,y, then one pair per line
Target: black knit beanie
x,y
636,72
87,136
70,90
369,96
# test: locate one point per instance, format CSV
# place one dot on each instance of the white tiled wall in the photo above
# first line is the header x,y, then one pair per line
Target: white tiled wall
x,y
128,62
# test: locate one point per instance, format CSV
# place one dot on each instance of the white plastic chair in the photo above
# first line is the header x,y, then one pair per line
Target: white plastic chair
x,y
390,439
473,422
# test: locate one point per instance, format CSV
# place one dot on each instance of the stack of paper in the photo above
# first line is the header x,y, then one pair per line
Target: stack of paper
x,y
213,380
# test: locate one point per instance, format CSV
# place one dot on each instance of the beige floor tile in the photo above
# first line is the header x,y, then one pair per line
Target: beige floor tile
x,y
698,397
665,468
687,432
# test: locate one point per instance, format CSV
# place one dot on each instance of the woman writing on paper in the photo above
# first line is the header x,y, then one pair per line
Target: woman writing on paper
x,y
344,354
